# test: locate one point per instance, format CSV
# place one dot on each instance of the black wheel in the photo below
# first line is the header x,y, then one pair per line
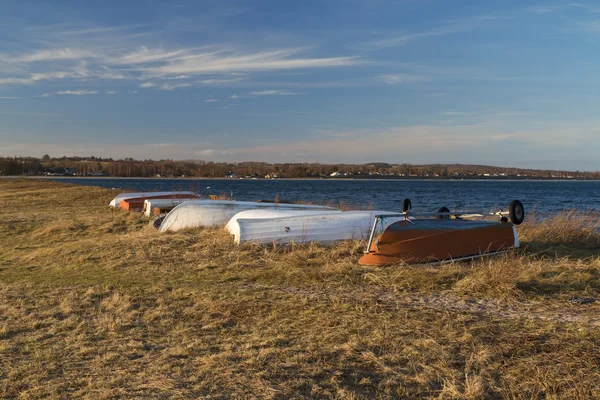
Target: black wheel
x,y
516,212
406,205
443,210
157,220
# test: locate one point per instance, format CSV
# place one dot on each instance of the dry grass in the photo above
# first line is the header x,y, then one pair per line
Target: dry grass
x,y
94,304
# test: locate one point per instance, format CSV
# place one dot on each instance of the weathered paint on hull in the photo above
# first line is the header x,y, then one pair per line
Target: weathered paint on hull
x,y
403,242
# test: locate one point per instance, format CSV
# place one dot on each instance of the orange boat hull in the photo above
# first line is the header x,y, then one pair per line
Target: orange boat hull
x,y
429,241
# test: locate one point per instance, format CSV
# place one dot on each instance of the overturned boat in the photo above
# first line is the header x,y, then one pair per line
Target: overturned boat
x,y
447,237
154,207
286,226
138,198
200,213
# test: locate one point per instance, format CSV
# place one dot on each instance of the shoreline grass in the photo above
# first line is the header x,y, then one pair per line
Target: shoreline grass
x,y
95,304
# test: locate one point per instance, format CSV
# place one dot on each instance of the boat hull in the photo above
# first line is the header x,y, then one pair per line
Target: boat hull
x,y
312,226
123,196
432,241
204,213
163,205
137,203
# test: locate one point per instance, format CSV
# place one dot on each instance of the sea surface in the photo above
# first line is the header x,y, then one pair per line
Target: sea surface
x,y
543,197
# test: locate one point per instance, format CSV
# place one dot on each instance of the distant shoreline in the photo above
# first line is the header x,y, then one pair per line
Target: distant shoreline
x,y
353,178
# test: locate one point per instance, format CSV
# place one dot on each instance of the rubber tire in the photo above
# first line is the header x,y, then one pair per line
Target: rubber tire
x,y
441,210
406,205
516,212
156,221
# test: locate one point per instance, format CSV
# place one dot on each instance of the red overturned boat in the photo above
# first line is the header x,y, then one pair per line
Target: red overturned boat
x,y
443,236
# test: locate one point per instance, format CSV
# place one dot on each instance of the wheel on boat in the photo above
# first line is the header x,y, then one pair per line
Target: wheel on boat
x,y
443,210
157,220
516,212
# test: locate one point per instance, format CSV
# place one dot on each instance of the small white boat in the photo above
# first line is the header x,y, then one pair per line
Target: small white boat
x,y
164,205
198,213
125,196
322,227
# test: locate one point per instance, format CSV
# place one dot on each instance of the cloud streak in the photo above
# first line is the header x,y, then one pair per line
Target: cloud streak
x,y
96,56
76,92
275,93
403,39
173,86
219,82
222,62
396,79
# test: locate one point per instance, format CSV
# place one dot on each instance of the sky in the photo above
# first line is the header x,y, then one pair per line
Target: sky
x,y
511,83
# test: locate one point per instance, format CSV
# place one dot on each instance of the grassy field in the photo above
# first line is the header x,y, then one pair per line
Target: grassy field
x,y
95,304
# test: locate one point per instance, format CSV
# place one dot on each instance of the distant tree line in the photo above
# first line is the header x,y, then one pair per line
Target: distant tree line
x,y
129,167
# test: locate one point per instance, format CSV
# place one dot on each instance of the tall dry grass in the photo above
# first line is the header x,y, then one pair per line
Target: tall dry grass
x,y
95,304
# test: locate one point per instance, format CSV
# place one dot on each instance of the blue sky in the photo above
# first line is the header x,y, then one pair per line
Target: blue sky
x,y
510,83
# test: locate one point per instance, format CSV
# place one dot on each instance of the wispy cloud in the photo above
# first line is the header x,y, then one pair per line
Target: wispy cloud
x,y
403,38
219,82
35,77
173,86
586,7
76,92
234,96
274,93
9,98
395,79
544,9
50,55
220,62
75,53
144,55
110,92
453,113
15,81
581,16
211,101
207,153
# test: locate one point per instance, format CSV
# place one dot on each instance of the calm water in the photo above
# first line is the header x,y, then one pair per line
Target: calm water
x,y
426,195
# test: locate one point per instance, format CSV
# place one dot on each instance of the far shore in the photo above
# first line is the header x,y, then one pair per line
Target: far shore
x,y
353,178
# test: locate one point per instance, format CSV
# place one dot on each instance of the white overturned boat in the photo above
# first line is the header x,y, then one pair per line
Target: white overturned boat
x,y
322,227
164,205
198,213
126,196
233,226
